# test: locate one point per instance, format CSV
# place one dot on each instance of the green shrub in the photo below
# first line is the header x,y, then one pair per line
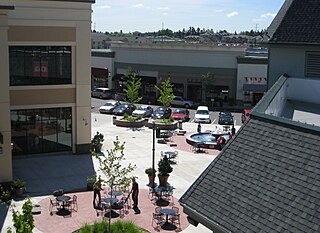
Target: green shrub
x,y
116,227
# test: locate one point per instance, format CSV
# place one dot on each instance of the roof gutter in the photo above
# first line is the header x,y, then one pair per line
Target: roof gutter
x,y
197,217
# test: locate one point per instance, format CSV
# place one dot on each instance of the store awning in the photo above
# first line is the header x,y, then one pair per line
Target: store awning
x,y
255,87
144,79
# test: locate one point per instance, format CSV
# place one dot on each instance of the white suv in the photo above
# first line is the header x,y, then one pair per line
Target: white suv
x,y
202,115
180,101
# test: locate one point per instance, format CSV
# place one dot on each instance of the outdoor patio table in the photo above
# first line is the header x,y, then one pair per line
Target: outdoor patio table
x,y
111,200
168,225
170,154
115,193
63,199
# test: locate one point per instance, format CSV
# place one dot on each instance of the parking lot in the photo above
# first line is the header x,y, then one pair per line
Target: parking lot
x,y
96,103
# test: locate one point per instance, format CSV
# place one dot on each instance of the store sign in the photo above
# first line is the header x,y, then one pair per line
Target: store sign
x,y
40,69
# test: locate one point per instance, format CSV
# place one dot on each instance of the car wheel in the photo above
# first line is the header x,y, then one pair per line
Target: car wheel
x,y
186,105
100,96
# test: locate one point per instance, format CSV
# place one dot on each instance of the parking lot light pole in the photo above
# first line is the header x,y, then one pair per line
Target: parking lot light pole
x,y
153,146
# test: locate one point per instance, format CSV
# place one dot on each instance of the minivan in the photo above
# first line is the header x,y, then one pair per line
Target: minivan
x,y
102,93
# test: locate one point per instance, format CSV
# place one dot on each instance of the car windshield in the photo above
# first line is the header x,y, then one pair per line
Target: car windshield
x,y
142,108
225,114
202,112
122,106
180,111
109,104
159,110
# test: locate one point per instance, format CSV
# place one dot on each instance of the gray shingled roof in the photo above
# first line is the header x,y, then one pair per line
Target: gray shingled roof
x,y
298,21
266,180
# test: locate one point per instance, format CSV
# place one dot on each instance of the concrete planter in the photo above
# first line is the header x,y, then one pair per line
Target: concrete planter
x,y
133,124
162,126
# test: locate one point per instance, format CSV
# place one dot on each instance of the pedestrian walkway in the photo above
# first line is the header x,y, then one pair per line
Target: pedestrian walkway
x,y
47,173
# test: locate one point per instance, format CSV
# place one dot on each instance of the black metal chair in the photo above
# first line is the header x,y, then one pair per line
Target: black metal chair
x,y
73,202
54,204
157,219
175,219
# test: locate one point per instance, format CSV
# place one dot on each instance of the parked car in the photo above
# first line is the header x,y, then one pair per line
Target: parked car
x,y
202,115
161,112
181,114
143,111
180,101
225,118
245,114
123,109
109,107
102,93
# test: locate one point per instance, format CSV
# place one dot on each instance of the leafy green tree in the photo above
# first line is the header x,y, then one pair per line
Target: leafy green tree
x,y
165,93
111,165
207,83
23,223
132,88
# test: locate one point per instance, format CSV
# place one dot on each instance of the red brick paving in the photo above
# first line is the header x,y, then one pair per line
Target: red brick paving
x,y
86,214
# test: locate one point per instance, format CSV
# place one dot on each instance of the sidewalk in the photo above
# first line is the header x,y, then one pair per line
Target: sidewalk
x,y
47,173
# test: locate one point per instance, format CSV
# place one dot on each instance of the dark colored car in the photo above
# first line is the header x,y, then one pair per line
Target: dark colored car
x,y
181,114
161,112
225,118
123,109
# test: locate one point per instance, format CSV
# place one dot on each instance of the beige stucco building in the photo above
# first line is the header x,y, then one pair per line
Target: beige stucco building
x,y
44,79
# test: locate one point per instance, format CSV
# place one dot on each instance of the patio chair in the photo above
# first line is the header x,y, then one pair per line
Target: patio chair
x,y
175,219
101,209
58,192
74,203
54,204
157,219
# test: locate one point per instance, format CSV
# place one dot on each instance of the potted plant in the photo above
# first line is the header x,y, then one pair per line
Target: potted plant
x,y
164,169
151,172
96,142
19,186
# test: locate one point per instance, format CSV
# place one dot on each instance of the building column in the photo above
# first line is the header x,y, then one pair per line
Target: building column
x,y
5,122
82,118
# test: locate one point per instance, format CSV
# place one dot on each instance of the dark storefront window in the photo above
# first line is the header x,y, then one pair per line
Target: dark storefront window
x,y
39,65
178,89
41,130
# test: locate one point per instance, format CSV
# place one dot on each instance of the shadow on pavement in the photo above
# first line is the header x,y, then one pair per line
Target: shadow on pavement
x,y
48,173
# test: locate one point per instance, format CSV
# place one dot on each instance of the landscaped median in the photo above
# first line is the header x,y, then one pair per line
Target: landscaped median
x,y
127,123
138,123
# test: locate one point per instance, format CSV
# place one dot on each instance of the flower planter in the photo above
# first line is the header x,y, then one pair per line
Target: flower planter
x,y
133,124
163,180
162,126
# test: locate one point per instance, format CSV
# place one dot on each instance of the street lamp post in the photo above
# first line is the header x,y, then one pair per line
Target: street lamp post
x,y
153,147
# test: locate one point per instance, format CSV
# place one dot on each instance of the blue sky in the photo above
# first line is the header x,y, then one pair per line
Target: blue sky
x,y
151,15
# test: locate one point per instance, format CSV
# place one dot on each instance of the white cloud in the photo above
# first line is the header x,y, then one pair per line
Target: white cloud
x,y
138,5
218,11
231,14
104,7
162,8
267,15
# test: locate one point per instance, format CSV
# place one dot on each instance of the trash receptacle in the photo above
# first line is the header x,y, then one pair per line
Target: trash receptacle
x,y
180,124
113,119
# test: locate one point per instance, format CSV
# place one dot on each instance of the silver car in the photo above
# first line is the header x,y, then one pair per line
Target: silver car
x,y
143,111
109,107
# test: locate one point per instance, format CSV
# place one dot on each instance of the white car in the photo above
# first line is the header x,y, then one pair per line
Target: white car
x,y
109,107
143,111
202,115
